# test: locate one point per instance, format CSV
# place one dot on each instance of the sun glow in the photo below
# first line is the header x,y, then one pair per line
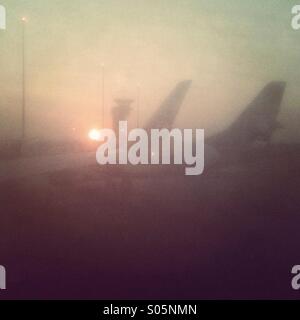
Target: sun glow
x,y
95,134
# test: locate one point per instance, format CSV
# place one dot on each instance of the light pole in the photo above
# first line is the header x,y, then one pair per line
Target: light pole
x,y
102,92
24,21
138,106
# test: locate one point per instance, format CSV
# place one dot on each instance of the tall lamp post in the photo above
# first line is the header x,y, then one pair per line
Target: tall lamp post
x,y
24,22
138,106
102,92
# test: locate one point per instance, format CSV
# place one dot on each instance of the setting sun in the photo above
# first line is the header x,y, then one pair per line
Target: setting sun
x,y
95,135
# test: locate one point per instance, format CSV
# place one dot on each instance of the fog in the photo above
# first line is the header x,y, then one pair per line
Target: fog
x,y
229,49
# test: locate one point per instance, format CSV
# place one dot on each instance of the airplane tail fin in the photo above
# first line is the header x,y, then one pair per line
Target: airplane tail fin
x,y
258,121
268,102
165,116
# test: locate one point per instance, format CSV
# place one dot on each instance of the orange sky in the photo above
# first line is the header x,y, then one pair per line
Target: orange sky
x,y
229,50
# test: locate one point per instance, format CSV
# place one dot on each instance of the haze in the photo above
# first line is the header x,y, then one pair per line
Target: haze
x,y
229,49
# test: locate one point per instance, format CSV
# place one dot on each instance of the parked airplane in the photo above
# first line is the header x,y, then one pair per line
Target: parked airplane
x,y
40,164
255,124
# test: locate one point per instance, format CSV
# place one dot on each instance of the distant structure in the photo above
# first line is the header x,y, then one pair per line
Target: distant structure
x,y
121,112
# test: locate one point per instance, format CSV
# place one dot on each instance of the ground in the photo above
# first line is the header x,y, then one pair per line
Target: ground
x,y
230,233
